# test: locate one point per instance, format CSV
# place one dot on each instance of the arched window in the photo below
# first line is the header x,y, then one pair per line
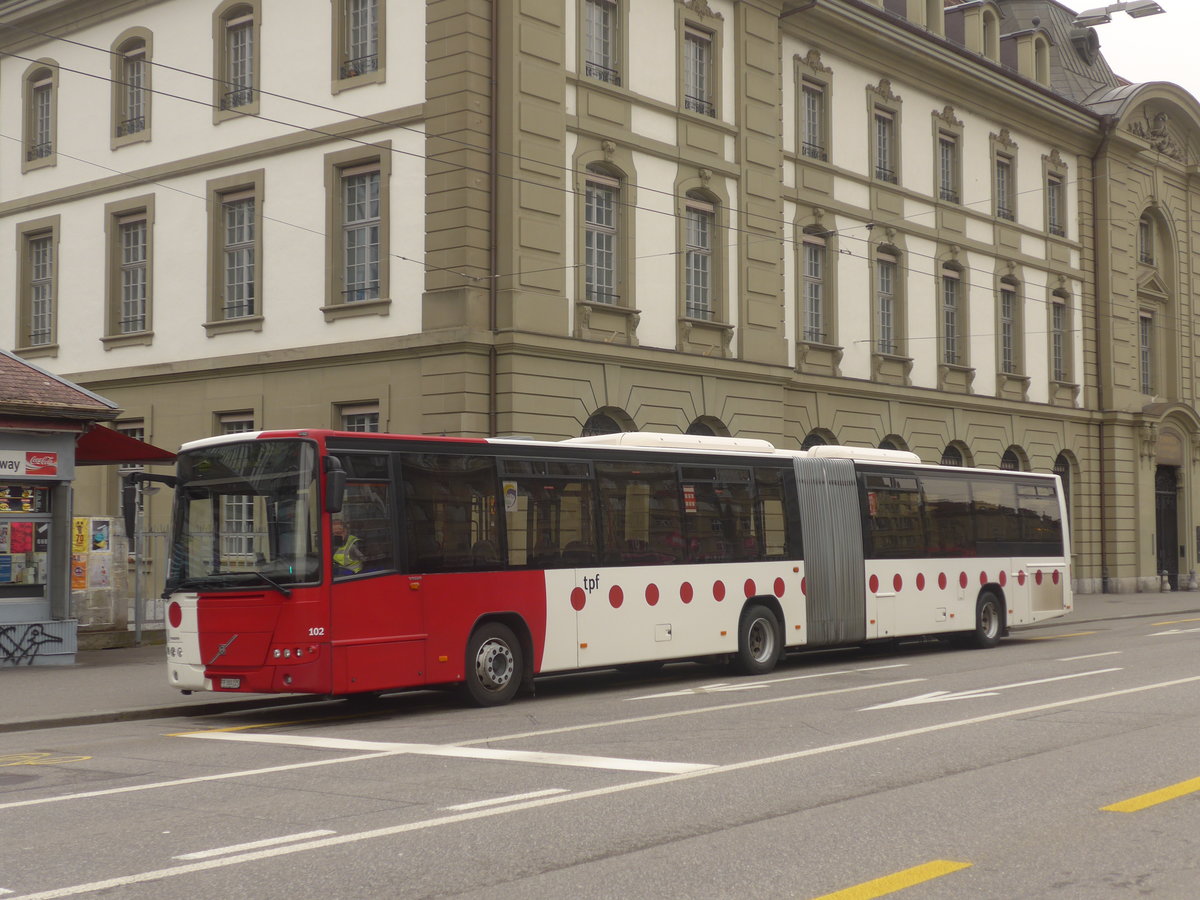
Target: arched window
x,y
814,439
236,75
608,420
41,115
707,425
131,87
1041,60
952,456
1010,461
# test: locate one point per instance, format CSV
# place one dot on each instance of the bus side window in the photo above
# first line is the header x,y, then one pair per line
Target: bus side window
x,y
367,516
949,529
640,511
997,528
770,514
549,521
894,526
450,520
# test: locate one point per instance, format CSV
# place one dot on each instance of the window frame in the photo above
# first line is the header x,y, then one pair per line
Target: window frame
x,y
810,88
887,338
1147,374
338,166
1061,359
139,43
1054,184
1010,350
49,229
947,156
362,410
595,180
814,304
699,26
230,15
39,146
218,191
610,71
343,75
698,211
951,330
118,215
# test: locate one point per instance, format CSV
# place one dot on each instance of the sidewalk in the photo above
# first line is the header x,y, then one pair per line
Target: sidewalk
x,y
128,683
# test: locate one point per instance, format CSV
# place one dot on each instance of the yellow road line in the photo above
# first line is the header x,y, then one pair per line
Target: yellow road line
x,y
1135,804
1175,622
898,881
1055,637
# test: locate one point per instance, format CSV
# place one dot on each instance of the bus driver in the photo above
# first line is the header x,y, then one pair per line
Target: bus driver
x,y
347,555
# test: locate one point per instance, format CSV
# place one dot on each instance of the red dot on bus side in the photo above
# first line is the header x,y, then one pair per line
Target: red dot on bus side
x,y
873,584
804,586
175,615
983,577
685,592
652,594
1054,576
718,591
1003,577
962,579
578,599
616,596
920,581
897,581
1021,578
749,587
780,586
942,580
1037,576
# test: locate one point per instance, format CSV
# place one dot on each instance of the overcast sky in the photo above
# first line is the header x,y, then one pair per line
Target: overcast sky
x,y
1152,48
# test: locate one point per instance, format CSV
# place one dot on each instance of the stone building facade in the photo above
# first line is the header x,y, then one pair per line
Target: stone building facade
x,y
942,227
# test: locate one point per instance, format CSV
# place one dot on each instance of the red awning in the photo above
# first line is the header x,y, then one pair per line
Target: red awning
x,y
102,446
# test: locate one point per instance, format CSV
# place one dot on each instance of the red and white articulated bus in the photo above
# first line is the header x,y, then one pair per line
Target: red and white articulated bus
x,y
486,563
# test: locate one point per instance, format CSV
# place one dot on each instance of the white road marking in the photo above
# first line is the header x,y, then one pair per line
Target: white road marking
x,y
1175,631
699,711
496,801
723,686
537,803
941,696
254,845
1089,656
197,780
488,740
481,753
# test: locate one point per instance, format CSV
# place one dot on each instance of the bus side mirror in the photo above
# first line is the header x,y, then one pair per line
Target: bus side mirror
x,y
335,484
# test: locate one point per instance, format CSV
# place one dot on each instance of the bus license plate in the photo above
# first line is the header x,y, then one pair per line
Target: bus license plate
x,y
232,683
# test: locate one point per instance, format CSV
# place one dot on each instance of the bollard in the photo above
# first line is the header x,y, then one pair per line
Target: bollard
x,y
1192,583
1165,584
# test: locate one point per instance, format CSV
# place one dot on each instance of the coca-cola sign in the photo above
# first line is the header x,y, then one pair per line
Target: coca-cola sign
x,y
41,463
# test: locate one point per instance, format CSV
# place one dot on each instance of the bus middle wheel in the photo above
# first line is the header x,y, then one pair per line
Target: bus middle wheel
x,y
495,665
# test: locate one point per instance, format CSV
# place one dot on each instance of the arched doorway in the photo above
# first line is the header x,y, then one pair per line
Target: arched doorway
x,y
1166,522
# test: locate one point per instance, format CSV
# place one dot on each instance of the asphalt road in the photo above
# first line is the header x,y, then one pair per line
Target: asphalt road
x,y
1063,764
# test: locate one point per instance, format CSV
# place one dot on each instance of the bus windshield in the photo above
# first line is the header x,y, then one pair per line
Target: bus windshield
x,y
246,514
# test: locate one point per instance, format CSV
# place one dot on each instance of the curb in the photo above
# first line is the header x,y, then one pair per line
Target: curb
x,y
160,712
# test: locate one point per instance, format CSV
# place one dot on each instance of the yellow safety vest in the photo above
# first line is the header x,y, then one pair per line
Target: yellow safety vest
x,y
342,557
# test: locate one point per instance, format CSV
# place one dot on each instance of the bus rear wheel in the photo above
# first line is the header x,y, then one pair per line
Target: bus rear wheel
x,y
989,620
495,665
759,642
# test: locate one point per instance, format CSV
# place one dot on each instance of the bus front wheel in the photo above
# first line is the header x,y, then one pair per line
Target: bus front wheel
x,y
494,665
759,642
989,620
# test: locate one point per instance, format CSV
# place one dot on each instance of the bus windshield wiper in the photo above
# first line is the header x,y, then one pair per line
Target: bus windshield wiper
x,y
271,581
